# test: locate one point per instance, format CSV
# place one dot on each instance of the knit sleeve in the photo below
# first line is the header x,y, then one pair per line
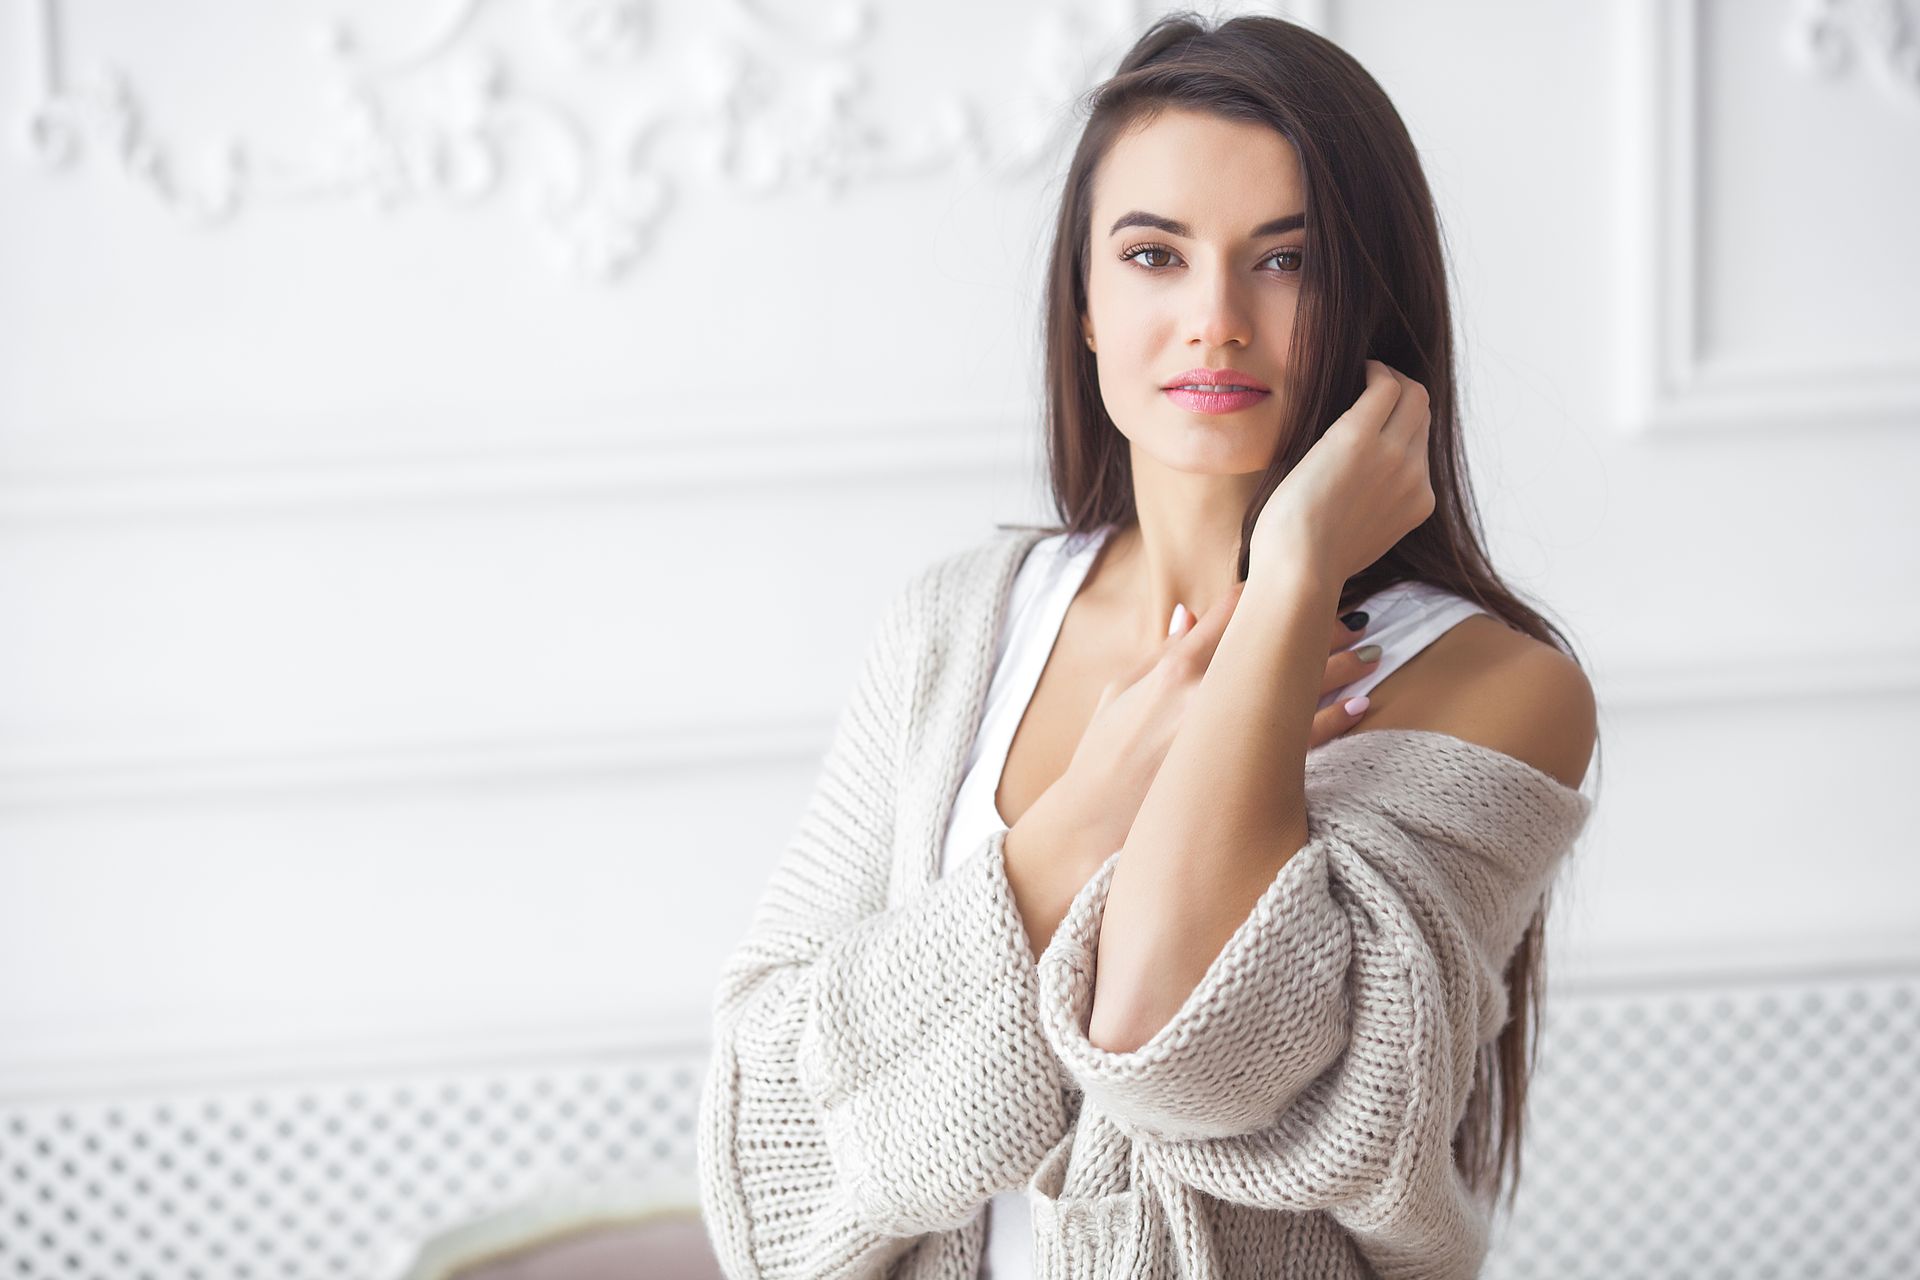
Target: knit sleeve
x,y
1327,1054
877,1070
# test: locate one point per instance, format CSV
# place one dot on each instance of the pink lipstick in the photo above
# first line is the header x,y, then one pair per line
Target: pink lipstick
x,y
1215,390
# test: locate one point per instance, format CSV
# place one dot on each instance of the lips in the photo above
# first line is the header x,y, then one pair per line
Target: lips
x,y
1214,401
1215,390
1215,381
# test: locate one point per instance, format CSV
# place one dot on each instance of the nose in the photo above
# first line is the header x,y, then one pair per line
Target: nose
x,y
1220,315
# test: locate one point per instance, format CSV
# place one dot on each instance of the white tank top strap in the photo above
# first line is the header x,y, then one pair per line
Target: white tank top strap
x,y
1403,619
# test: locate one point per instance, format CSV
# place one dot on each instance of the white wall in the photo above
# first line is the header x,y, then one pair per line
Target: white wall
x,y
425,592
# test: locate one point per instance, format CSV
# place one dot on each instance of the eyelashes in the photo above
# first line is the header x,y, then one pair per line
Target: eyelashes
x,y
1133,252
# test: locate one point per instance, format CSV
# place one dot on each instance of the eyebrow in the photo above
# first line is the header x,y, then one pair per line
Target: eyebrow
x,y
1174,227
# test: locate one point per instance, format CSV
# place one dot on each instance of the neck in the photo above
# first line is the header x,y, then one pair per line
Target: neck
x,y
1184,548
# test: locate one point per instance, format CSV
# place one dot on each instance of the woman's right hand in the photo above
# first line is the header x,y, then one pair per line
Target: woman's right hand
x,y
1090,808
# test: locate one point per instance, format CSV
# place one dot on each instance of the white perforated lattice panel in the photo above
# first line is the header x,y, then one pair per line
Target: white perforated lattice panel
x,y
339,1181
1749,1132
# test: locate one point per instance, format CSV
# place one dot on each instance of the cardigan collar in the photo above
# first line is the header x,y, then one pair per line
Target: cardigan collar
x,y
952,672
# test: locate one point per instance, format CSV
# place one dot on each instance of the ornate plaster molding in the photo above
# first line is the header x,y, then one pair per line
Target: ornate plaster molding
x,y
766,100
1833,38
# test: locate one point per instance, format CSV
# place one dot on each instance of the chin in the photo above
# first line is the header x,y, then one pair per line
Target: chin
x,y
1212,448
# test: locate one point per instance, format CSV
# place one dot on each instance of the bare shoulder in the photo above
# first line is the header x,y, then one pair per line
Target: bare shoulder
x,y
1489,684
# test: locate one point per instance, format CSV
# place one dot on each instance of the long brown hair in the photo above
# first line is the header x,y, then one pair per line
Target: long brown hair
x,y
1373,284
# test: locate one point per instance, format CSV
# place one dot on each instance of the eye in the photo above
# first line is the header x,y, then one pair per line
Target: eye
x,y
1130,255
1285,253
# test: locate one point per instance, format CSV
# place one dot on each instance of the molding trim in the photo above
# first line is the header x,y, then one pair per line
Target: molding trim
x,y
94,778
107,1070
91,778
1679,685
1671,385
1622,971
242,485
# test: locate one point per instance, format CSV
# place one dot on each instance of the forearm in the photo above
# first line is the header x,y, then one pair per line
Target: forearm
x,y
1225,813
1046,866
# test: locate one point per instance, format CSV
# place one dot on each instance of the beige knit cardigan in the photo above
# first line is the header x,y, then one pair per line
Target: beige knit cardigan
x,y
888,1054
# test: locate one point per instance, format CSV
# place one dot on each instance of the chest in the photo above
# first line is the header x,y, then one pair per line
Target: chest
x,y
1080,664
1083,660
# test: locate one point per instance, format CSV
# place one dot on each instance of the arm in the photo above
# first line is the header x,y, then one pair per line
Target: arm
x,y
856,1046
1325,1058
1483,682
1225,813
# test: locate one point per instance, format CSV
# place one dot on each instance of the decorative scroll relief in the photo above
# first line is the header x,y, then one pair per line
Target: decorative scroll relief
x,y
1832,37
767,102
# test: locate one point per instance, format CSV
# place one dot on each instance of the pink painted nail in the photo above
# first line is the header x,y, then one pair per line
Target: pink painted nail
x,y
1181,618
1354,706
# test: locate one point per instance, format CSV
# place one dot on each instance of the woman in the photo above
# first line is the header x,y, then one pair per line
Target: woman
x,y
1144,921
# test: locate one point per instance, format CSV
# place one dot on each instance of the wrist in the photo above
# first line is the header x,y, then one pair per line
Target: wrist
x,y
1291,586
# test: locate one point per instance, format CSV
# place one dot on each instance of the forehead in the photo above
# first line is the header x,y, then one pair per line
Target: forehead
x,y
1221,175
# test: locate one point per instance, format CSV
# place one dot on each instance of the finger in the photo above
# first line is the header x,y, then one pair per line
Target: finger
x,y
1349,665
1345,634
1198,643
1331,721
1376,401
1177,626
1137,672
1411,414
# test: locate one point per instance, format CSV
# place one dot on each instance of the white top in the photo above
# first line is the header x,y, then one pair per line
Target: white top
x,y
1402,619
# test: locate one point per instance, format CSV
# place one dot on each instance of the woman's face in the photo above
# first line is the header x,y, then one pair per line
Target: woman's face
x,y
1197,248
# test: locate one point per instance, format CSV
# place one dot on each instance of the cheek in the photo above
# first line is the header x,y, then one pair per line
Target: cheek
x,y
1126,307
1285,305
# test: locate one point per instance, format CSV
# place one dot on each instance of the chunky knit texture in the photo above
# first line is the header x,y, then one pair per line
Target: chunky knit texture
x,y
888,1053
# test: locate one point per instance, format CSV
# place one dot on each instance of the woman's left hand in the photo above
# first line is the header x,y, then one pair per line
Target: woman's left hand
x,y
1360,488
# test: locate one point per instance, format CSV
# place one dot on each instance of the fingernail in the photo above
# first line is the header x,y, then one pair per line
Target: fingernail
x,y
1179,620
1355,620
1354,706
1368,653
